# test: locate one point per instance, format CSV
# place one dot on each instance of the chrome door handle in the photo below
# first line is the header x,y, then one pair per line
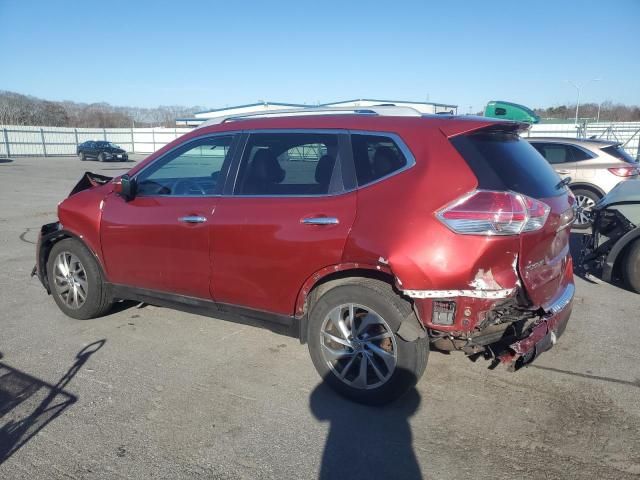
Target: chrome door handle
x,y
193,219
320,221
563,172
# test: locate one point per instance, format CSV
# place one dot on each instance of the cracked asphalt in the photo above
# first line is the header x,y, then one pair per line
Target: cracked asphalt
x,y
155,393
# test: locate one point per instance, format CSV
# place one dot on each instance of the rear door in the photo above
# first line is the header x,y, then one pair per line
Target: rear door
x,y
287,215
503,161
160,240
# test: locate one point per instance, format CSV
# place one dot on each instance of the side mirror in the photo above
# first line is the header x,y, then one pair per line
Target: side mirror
x,y
125,186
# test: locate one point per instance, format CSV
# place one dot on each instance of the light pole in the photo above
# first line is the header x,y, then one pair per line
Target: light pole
x,y
578,88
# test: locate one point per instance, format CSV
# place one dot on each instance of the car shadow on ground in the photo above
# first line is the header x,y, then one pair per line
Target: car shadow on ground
x,y
5,160
28,404
366,441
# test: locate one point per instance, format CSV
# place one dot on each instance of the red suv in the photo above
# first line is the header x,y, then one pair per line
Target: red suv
x,y
372,235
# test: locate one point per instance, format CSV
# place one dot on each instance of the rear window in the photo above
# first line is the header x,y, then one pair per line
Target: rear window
x,y
502,161
619,152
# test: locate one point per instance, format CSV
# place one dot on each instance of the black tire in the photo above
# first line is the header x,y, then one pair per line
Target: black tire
x,y
81,156
380,298
586,195
101,157
631,267
97,300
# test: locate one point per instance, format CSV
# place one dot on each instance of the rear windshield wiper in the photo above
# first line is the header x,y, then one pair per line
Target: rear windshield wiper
x,y
563,183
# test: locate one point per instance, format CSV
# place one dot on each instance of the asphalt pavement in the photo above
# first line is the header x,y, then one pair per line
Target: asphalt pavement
x,y
155,393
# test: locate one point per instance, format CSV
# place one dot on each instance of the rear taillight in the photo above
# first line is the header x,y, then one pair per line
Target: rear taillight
x,y
486,212
625,171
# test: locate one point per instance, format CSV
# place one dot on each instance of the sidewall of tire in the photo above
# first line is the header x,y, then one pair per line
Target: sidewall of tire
x,y
631,267
412,356
97,301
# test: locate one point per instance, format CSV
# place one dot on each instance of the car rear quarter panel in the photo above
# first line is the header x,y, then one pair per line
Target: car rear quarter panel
x,y
396,223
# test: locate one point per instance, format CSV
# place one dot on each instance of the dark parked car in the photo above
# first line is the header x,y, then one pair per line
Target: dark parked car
x,y
369,234
101,150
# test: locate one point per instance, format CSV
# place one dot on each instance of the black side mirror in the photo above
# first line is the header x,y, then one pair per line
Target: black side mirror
x,y
125,186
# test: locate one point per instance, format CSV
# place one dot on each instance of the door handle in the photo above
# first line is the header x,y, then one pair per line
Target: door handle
x,y
563,172
193,219
320,221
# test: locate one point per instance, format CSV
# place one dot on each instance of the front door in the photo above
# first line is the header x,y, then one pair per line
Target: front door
x,y
287,217
160,239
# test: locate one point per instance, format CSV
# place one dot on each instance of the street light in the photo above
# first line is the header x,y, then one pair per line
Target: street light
x,y
578,88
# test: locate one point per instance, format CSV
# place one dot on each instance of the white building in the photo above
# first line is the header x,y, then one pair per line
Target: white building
x,y
424,107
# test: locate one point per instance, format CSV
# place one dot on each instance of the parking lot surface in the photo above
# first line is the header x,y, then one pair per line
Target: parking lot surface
x,y
155,393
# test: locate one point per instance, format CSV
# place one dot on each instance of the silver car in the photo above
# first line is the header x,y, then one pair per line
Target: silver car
x,y
595,167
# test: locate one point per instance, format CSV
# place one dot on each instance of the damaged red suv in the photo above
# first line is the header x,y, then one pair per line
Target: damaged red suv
x,y
372,235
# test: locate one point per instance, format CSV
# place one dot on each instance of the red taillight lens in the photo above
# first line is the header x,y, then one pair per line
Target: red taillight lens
x,y
625,171
494,213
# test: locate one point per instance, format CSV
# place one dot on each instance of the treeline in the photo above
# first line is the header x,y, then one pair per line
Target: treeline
x,y
17,109
609,112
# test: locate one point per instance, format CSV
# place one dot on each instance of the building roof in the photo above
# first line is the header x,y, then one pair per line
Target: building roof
x,y
257,104
388,101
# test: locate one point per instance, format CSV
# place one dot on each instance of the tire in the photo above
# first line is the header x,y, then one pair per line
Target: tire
x,y
376,301
81,156
101,157
90,283
631,267
588,199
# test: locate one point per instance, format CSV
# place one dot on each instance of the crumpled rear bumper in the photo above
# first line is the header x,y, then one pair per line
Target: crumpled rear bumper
x,y
543,334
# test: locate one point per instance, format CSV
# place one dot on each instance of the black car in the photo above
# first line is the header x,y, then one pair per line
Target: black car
x,y
101,150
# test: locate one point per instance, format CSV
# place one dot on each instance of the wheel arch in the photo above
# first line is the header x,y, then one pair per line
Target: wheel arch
x,y
587,186
50,235
344,274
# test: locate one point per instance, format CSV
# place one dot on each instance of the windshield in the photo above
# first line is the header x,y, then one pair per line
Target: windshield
x,y
620,153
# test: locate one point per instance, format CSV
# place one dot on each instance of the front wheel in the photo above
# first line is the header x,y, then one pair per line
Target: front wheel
x,y
354,347
101,157
76,281
81,156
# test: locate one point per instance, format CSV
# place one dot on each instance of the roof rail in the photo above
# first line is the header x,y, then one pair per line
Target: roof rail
x,y
386,111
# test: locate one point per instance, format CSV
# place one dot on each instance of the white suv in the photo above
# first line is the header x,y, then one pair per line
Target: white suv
x,y
595,167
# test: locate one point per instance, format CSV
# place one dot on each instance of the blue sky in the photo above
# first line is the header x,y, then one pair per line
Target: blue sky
x,y
144,53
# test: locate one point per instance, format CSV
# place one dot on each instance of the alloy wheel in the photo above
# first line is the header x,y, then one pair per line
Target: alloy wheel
x,y
583,203
358,346
70,280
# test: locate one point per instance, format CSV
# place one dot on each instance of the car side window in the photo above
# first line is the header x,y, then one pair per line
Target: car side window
x,y
375,156
191,170
553,152
577,154
290,164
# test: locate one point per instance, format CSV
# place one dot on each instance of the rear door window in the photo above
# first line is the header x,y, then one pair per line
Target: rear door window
x,y
290,164
554,153
618,152
375,157
503,161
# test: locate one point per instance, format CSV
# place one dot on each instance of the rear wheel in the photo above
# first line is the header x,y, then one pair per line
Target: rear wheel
x,y
76,281
631,266
354,347
585,201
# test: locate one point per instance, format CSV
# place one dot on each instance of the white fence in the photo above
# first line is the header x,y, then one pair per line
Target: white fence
x,y
52,141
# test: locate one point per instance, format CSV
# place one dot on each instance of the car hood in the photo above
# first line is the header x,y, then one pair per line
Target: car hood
x,y
90,180
114,150
627,191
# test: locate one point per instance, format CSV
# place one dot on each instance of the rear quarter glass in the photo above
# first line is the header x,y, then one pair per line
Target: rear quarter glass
x,y
503,161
